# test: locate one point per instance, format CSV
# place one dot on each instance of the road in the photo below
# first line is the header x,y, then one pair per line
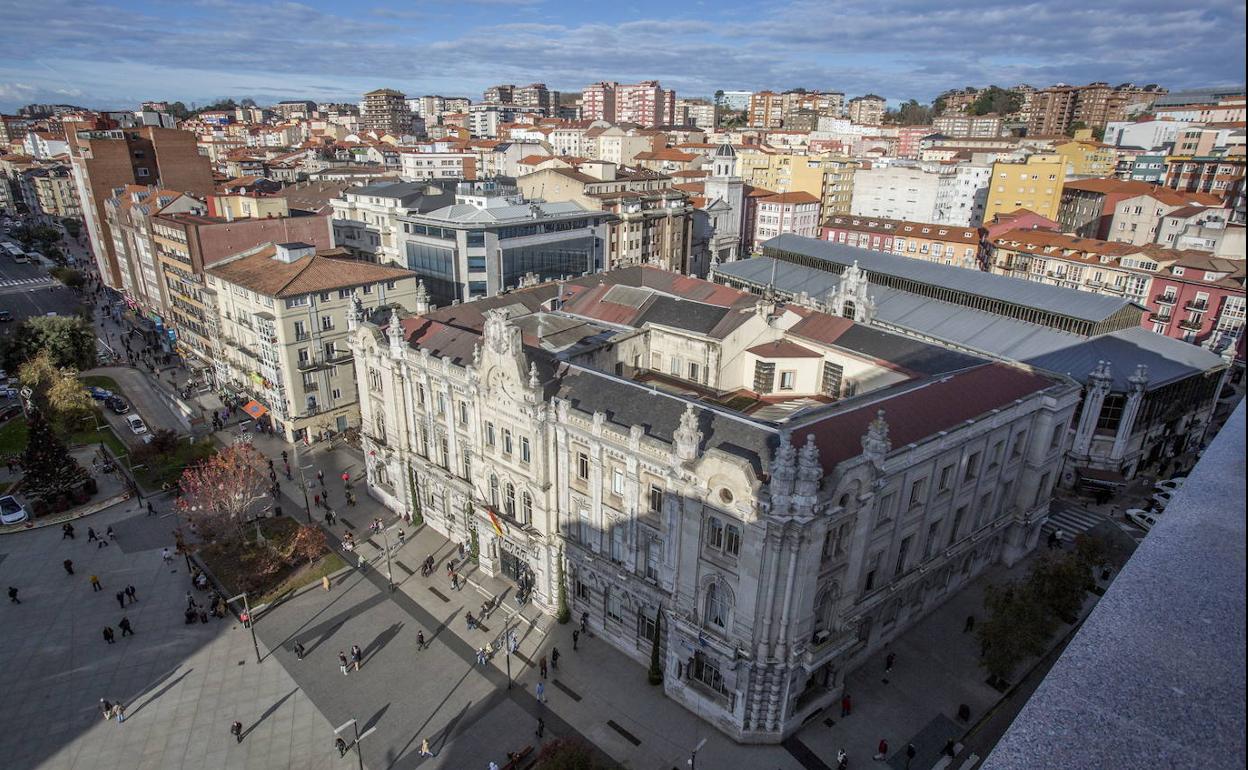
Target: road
x,y
149,402
27,290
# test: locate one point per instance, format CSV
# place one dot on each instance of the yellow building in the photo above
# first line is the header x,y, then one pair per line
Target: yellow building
x,y
1086,157
829,177
1035,185
249,206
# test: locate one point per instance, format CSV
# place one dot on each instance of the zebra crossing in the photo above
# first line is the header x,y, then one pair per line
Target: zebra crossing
x,y
1072,520
25,282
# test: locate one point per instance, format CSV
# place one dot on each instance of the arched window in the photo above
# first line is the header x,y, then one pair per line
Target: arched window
x,y
509,500
526,508
494,490
847,309
716,606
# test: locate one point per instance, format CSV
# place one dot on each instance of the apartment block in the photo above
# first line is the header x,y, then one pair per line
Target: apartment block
x,y
867,110
385,111
1035,185
944,244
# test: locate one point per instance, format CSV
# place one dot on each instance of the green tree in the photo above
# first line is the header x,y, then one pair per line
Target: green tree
x,y
996,100
911,113
1019,626
563,614
70,340
45,234
566,754
72,278
1061,583
72,226
655,674
58,393
50,471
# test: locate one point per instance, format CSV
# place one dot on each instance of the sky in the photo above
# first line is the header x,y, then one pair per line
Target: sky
x,y
113,55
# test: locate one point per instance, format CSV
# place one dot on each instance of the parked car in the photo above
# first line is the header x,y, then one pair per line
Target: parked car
x,y
5,315
99,394
136,424
1142,518
1162,499
11,511
1170,485
117,404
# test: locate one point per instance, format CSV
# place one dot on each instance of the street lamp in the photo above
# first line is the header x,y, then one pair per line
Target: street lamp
x,y
303,483
385,538
356,730
693,757
248,621
512,645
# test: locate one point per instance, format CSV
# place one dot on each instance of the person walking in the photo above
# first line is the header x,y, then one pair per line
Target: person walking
x,y
911,753
842,759
481,657
356,656
541,692
342,662
67,531
68,564
299,651
91,536
108,634
420,640
132,594
320,476
236,729
576,636
95,583
881,753
889,661
454,581
341,745
584,622
150,510
554,658
541,666
110,534
119,709
121,599
424,748
124,625
13,595
847,706
106,708
970,624
541,727
166,556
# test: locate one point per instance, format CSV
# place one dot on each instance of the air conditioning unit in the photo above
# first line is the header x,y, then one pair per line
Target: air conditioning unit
x,y
822,636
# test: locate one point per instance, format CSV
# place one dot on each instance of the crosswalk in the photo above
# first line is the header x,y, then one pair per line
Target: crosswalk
x,y
1072,520
19,282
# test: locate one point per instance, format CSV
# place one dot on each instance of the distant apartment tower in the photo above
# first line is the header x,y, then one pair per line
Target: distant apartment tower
x,y
535,97
867,110
105,158
500,94
647,104
1058,109
598,101
961,126
734,100
385,111
694,112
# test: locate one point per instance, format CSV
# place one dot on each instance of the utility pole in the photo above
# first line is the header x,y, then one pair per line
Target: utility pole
x,y
693,756
356,731
249,621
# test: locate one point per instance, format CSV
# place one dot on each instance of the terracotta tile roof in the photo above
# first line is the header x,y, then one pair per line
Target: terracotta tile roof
x,y
791,197
783,349
1106,186
323,271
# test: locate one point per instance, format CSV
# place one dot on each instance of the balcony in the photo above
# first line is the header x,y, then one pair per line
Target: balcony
x,y
1160,317
1192,324
1196,305
1165,299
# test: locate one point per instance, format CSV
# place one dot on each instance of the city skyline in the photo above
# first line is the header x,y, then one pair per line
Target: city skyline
x,y
114,56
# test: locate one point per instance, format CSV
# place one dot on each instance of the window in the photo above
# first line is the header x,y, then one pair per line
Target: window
x,y
1056,439
374,380
732,540
617,481
302,354
764,376
525,451
715,533
945,474
957,524
656,498
972,467
1020,442
716,606
583,592
833,374
885,512
693,372
1042,489
327,323
932,531
916,492
707,673
654,549
489,434
582,466
788,380
615,606
646,626
1111,412
441,404
874,567
902,552
494,491
526,508
463,412
467,466
301,330
619,542
506,441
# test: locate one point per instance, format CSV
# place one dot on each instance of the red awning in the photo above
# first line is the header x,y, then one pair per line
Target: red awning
x,y
255,409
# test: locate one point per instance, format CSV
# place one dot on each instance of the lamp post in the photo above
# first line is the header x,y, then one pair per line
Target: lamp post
x,y
385,539
249,621
693,756
303,483
356,731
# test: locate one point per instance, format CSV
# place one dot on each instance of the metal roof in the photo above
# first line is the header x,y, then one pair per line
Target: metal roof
x,y
1010,339
1073,303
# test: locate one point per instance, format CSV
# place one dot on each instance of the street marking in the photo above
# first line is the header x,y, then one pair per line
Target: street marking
x,y
633,739
439,594
566,690
404,567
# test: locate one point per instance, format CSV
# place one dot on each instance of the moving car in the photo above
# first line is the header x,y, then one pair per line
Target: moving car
x,y
99,394
117,404
136,424
1143,519
11,511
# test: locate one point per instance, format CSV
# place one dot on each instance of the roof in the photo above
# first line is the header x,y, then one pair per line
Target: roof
x,y
259,271
798,197
1070,302
463,213
1108,186
983,332
782,349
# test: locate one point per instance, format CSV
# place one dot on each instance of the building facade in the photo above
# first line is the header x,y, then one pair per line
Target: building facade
x,y
384,111
944,193
1035,185
960,246
765,557
867,110
795,212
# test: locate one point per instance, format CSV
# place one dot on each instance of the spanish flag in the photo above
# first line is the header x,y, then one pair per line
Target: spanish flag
x,y
494,521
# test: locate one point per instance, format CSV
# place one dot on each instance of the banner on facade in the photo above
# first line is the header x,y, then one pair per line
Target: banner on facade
x,y
494,521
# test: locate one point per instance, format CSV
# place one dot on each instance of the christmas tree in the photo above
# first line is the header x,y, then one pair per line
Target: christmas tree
x,y
49,468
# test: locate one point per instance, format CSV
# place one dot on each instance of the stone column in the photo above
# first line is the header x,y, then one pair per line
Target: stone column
x,y
1099,383
1135,396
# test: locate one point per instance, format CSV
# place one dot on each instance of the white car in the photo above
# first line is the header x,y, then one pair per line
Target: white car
x,y
1170,485
1143,519
1162,499
136,424
11,511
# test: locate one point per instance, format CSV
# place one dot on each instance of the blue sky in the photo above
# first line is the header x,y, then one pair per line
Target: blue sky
x,y
115,54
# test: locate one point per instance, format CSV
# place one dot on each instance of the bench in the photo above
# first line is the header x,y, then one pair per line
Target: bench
x,y
513,763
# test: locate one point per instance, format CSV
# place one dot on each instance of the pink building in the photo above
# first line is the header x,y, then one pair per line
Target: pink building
x,y
598,101
908,140
1199,299
792,212
646,103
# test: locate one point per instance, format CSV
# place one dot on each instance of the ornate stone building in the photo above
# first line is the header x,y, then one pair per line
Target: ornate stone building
x,y
777,490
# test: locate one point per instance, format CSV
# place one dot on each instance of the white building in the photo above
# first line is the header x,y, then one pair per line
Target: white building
x,y
939,193
1151,134
365,218
579,431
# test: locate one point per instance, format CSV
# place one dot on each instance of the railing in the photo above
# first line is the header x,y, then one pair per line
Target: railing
x,y
1163,317
1165,299
302,336
1196,305
1190,324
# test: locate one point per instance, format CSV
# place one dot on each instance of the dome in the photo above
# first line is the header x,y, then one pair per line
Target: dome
x,y
725,151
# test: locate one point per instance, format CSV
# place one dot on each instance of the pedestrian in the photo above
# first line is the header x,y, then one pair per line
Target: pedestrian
x,y
950,750
576,637
346,479
106,708
68,564
970,624
356,656
299,651
342,662
420,640
119,709
889,661
13,595
424,748
316,500
132,593
320,476
842,759
101,543
461,551
95,584
541,666
108,634
110,534
351,499
554,658
541,727
481,657
150,510
91,536
847,706
166,556
881,753
67,531
341,745
121,599
911,752
541,691
584,622
454,581
236,729
470,620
